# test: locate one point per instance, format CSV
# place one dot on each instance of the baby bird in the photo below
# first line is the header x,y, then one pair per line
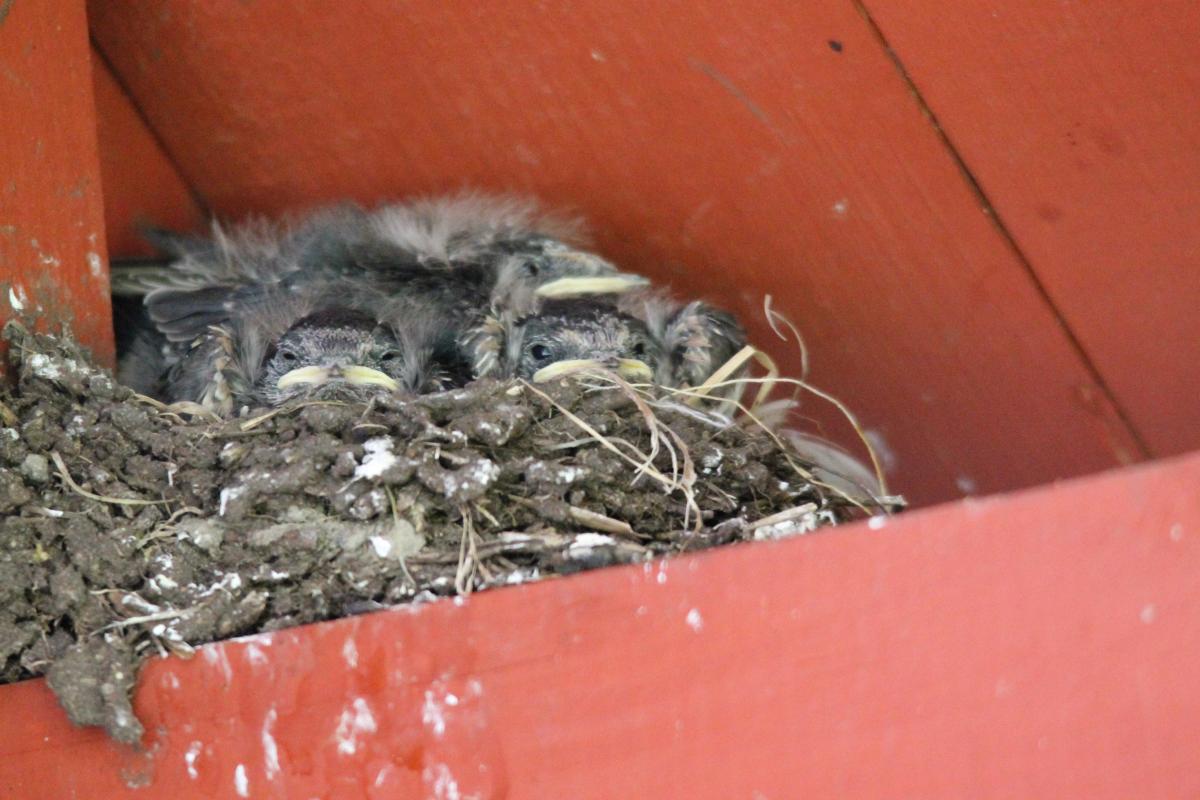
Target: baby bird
x,y
334,354
644,339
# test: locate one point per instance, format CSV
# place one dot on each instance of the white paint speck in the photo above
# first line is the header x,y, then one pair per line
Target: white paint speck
x,y
841,206
350,653
694,620
1176,532
377,458
382,546
1148,613
966,484
598,56
17,298
433,714
241,783
440,779
189,758
355,720
270,749
877,522
256,656
95,265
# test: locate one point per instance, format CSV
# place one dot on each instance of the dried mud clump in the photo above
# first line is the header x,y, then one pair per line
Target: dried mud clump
x,y
129,529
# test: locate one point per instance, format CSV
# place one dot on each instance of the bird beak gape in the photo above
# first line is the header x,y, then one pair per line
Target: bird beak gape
x,y
628,368
594,284
353,373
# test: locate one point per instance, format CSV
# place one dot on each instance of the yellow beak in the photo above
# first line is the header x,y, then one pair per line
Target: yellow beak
x,y
354,373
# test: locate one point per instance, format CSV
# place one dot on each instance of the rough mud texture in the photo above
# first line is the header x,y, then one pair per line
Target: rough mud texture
x,y
129,530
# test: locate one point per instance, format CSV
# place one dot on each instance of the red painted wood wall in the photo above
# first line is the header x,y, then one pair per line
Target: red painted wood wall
x,y
52,248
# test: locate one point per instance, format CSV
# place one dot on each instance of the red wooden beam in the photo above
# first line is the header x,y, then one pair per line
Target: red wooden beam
x,y
52,250
767,146
141,185
1036,645
1081,123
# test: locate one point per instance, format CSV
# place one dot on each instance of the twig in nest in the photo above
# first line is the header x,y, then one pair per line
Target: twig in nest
x,y
467,554
254,422
600,522
170,613
782,516
75,487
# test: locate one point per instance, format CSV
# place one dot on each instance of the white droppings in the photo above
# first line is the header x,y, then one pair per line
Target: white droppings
x,y
591,540
1148,613
877,522
350,653
171,680
840,206
95,265
43,367
270,748
241,783
377,459
433,714
354,721
189,758
694,620
17,298
382,546
227,494
966,484
661,577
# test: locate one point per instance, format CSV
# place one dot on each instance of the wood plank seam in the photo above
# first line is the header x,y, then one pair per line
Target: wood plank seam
x,y
1010,241
193,192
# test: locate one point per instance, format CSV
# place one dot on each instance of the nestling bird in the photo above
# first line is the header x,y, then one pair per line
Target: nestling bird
x,y
423,270
645,337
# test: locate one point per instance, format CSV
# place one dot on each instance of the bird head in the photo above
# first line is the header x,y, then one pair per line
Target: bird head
x,y
543,268
332,354
570,334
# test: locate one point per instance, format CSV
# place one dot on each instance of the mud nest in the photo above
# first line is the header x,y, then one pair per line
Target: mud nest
x,y
130,529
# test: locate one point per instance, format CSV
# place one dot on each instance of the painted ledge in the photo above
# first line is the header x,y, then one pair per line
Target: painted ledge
x,y
1036,645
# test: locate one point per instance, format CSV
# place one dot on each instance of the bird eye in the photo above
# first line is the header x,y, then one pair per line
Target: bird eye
x,y
639,349
288,355
389,356
531,269
539,352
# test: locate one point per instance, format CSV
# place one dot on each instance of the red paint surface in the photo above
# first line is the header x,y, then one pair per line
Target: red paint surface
x,y
1038,645
1082,124
52,250
141,186
730,153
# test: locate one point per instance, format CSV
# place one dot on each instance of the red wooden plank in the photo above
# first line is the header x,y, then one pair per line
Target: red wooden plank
x,y
141,185
1081,121
1037,645
733,151
52,254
